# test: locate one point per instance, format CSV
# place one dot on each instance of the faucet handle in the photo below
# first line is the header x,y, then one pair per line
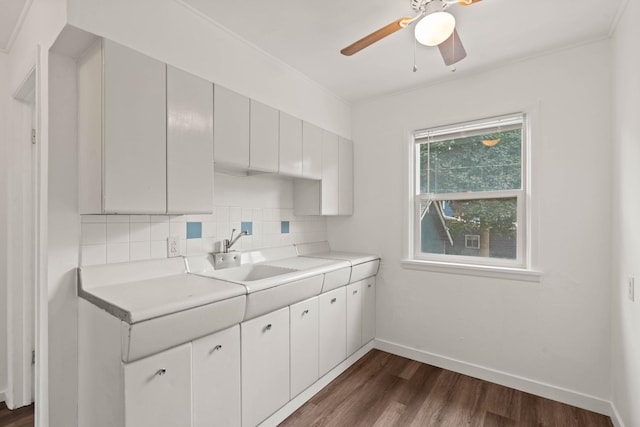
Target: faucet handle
x,y
233,230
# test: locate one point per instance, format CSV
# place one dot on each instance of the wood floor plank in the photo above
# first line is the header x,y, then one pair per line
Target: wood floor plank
x,y
384,390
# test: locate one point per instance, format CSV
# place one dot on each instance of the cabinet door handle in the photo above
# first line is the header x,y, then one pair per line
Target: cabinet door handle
x,y
369,285
355,292
268,327
216,348
305,312
333,300
161,372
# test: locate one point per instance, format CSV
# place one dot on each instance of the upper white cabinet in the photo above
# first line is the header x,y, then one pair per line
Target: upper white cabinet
x,y
345,178
145,134
333,195
216,379
264,134
189,143
304,345
231,128
121,131
157,389
290,145
311,151
265,366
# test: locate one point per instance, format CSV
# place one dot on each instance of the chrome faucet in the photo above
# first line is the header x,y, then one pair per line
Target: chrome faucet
x,y
227,243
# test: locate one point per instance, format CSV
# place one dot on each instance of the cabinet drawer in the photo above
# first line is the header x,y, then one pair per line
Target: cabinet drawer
x,y
364,270
157,389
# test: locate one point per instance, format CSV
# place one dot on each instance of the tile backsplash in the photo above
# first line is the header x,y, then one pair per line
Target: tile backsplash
x,y
121,238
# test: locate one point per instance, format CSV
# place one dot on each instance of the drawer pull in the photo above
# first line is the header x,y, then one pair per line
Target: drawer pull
x,y
369,285
268,327
216,348
161,372
355,292
333,300
305,312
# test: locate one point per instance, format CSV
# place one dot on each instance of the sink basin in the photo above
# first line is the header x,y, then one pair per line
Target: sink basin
x,y
250,273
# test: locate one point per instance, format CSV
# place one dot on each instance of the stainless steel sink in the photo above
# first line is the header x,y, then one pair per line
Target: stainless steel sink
x,y
250,273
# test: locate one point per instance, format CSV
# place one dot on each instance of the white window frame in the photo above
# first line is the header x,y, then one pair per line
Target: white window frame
x,y
521,195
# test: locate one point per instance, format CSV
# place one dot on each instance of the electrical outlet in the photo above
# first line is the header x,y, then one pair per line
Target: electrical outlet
x,y
173,247
631,291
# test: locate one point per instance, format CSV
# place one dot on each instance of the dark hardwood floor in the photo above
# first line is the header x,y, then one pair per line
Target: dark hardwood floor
x,y
387,390
21,417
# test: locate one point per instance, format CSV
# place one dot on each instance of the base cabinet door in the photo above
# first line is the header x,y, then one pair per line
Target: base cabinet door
x,y
333,329
157,389
368,310
354,317
304,345
216,379
265,366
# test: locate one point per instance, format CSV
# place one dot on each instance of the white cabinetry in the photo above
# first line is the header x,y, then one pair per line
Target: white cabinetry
x,y
333,329
121,131
304,345
368,309
354,317
216,379
290,145
311,151
265,366
189,143
333,195
157,389
264,134
231,128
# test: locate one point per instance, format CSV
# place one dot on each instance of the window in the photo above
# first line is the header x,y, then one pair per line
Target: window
x,y
469,192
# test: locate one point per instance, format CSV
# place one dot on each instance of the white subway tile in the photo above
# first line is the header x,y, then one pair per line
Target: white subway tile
x,y
286,214
178,229
159,230
223,231
140,232
117,218
159,249
93,254
160,218
222,214
194,247
209,229
178,218
247,214
139,250
93,218
257,215
235,214
140,218
94,234
193,218
117,233
117,252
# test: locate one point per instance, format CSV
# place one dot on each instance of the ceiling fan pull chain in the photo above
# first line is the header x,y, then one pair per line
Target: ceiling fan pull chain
x,y
415,67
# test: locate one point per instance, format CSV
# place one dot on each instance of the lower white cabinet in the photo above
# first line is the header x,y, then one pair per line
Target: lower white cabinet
x,y
368,309
216,379
157,389
333,329
354,317
304,345
265,366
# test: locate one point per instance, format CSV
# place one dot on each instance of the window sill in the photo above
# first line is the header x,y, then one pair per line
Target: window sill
x,y
520,274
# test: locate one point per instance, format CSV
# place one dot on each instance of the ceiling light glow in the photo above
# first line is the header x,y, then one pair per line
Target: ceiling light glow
x,y
435,28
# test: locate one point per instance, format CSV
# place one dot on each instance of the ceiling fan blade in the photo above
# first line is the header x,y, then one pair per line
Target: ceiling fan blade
x,y
468,2
452,50
376,36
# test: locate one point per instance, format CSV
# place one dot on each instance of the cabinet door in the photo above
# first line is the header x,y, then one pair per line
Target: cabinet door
x,y
265,366
157,389
304,345
265,134
345,186
368,310
216,379
290,145
333,329
330,174
189,143
354,317
311,151
134,135
230,128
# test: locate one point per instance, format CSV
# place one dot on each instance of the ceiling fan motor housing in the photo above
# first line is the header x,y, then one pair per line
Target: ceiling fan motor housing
x,y
427,6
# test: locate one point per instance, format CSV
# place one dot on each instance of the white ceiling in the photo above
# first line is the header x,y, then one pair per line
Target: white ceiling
x,y
308,35
10,14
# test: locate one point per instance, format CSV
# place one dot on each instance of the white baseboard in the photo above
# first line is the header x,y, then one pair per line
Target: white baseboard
x,y
3,396
303,397
548,391
616,419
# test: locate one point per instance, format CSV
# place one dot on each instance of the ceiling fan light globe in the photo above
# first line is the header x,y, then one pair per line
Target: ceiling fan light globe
x,y
435,28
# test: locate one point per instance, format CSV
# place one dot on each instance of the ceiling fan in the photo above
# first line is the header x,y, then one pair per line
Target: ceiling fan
x,y
436,28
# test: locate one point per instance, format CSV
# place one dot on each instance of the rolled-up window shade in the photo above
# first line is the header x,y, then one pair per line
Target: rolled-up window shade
x,y
479,127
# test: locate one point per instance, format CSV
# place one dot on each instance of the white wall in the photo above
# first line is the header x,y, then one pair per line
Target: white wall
x,y
171,32
4,101
555,332
626,228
